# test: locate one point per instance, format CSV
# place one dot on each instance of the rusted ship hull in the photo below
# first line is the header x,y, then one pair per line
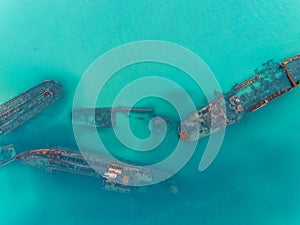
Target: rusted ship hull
x,y
269,83
27,105
118,177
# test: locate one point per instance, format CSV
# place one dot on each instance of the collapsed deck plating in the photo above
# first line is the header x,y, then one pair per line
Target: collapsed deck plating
x,y
272,81
27,105
119,176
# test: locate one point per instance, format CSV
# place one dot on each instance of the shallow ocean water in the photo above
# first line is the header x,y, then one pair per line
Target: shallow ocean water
x,y
255,177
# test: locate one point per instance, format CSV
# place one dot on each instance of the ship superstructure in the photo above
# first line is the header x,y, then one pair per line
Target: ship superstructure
x,y
119,177
7,154
27,105
272,81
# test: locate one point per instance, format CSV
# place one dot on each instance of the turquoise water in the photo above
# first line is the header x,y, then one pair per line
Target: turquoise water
x,y
255,178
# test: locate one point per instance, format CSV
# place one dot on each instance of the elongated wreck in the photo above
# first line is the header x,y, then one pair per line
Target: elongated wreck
x,y
117,177
7,154
272,81
27,105
107,117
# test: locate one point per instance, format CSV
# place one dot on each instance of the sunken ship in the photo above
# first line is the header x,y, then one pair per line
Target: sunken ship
x,y
116,177
269,83
27,105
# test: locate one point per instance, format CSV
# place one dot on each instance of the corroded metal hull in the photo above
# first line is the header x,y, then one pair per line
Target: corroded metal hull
x,y
27,105
272,81
53,161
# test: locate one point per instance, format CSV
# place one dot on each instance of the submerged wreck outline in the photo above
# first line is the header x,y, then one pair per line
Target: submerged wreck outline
x,y
28,104
272,81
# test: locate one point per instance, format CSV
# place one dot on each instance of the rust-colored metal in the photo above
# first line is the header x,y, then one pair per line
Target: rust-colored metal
x,y
284,63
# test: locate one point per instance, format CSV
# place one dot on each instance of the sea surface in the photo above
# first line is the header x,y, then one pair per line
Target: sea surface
x,y
255,178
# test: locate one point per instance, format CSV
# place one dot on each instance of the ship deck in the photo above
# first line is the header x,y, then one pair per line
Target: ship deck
x,y
25,106
50,160
269,83
106,117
